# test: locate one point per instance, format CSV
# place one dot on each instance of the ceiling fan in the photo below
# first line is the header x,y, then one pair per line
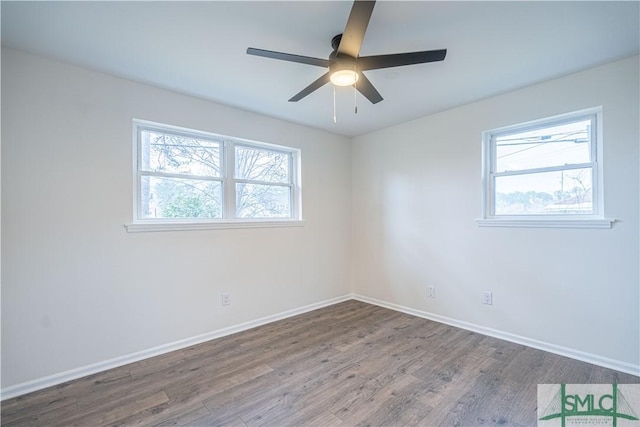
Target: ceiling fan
x,y
345,65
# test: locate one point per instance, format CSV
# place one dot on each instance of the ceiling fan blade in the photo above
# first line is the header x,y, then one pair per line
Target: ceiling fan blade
x,y
323,80
353,33
288,57
396,60
365,87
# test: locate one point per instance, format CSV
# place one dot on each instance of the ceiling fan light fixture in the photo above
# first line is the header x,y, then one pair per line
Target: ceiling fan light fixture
x,y
344,77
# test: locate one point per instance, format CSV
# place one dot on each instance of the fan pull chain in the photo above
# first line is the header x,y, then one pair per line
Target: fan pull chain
x,y
334,105
355,99
355,91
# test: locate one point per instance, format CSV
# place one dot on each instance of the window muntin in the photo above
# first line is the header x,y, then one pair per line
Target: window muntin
x,y
548,168
192,176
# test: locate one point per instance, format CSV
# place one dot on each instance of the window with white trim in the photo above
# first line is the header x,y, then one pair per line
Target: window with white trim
x,y
545,170
263,184
183,176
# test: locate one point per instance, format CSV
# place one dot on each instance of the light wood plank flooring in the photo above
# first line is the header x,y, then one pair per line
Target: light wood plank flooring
x,y
345,365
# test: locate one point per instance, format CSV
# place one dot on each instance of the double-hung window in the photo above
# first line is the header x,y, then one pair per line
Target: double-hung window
x,y
545,173
187,179
263,182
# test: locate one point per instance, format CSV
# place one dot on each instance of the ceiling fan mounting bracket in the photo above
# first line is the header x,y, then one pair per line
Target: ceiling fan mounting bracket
x,y
335,41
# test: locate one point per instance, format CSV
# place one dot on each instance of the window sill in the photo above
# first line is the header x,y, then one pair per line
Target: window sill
x,y
142,227
546,222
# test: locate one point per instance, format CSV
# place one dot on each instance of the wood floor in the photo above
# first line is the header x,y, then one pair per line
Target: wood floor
x,y
345,365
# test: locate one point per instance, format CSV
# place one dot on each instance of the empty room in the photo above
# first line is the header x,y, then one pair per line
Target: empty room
x,y
327,213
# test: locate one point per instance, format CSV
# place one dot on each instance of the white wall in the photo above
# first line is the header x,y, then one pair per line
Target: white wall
x,y
77,288
416,194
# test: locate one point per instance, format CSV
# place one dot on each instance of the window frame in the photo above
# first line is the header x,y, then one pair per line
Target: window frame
x,y
292,172
227,178
489,162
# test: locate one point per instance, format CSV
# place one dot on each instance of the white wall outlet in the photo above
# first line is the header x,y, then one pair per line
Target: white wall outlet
x,y
487,298
226,298
431,292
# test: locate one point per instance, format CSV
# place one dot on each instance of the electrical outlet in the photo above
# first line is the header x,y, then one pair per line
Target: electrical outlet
x,y
226,298
431,292
487,298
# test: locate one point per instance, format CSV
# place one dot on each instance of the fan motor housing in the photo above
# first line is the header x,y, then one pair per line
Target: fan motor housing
x,y
342,62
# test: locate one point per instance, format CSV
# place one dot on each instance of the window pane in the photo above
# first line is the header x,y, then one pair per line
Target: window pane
x,y
558,192
263,201
167,153
163,197
262,165
549,146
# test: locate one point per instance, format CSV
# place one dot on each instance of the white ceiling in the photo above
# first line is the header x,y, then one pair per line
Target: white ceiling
x,y
199,48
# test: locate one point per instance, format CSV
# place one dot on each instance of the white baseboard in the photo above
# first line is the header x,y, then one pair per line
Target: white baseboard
x,y
594,359
59,378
